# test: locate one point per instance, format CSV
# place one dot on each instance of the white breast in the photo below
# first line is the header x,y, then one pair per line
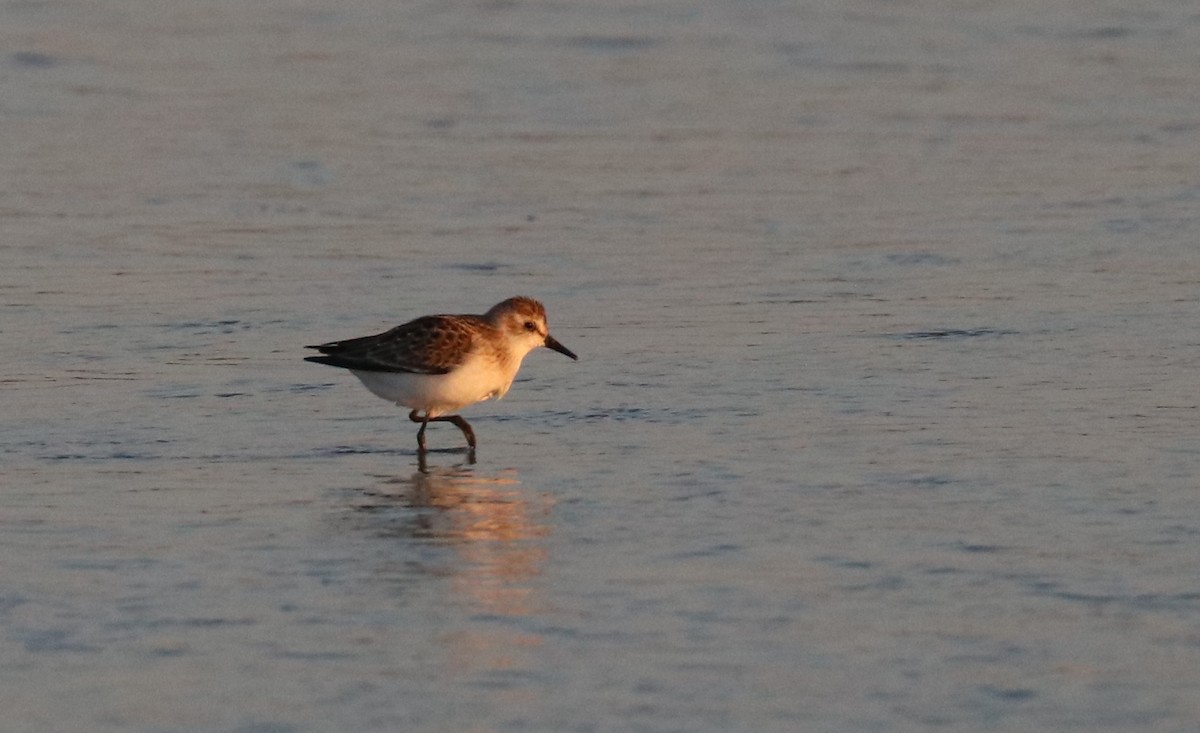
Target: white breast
x,y
476,380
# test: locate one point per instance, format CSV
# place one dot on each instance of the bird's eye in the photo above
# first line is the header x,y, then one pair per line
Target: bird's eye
x,y
530,326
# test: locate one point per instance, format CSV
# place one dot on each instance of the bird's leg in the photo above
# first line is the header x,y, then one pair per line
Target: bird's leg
x,y
462,424
420,433
465,427
458,420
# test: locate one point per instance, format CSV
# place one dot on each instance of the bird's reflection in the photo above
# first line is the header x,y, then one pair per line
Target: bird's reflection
x,y
491,527
482,536
423,458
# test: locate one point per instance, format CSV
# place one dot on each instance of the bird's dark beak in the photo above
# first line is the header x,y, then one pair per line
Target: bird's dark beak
x,y
552,343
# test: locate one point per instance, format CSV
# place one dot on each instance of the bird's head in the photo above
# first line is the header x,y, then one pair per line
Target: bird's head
x,y
523,320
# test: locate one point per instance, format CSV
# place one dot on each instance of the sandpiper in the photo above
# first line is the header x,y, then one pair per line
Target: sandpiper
x,y
438,364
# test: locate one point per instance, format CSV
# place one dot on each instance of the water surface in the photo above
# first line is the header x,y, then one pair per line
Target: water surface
x,y
884,418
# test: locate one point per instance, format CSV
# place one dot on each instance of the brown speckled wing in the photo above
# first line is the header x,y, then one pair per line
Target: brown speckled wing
x,y
428,345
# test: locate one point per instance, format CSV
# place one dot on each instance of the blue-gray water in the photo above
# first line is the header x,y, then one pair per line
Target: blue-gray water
x,y
885,417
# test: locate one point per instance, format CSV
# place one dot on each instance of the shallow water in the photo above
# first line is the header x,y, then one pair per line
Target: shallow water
x,y
884,418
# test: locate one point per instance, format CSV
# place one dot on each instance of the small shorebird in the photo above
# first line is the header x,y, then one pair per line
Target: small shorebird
x,y
438,364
